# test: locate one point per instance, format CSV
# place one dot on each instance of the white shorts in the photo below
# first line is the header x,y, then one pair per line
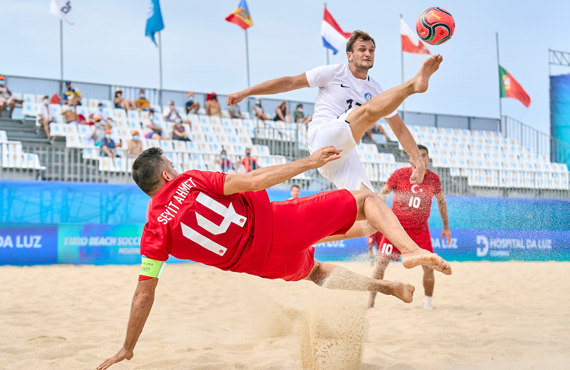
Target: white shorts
x,y
346,172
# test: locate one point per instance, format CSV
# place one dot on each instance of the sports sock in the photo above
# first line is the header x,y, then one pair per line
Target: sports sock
x,y
427,303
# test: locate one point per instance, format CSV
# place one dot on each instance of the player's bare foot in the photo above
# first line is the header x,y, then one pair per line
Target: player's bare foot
x,y
421,81
401,290
425,258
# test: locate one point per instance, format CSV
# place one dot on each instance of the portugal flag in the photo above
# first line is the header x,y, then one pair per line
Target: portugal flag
x,y
510,88
241,16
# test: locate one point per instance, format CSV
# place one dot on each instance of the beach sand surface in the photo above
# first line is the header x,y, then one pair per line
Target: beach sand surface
x,y
502,315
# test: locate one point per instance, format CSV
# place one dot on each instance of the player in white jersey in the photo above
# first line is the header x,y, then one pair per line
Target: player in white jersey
x,y
342,88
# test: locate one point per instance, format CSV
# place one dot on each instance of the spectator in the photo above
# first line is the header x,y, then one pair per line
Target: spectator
x,y
134,145
213,106
299,116
379,129
249,163
153,131
192,107
258,110
126,104
235,112
102,114
46,117
282,113
108,148
6,98
71,96
71,116
295,192
224,162
178,131
173,114
142,102
100,128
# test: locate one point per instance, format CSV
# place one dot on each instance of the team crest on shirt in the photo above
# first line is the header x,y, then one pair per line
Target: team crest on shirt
x,y
367,96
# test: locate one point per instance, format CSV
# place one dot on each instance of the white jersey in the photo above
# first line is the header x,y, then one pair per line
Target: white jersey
x,y
339,91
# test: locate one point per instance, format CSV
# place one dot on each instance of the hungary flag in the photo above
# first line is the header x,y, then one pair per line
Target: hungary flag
x,y
510,88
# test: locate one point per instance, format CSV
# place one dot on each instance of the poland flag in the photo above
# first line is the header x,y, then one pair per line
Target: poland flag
x,y
411,43
333,36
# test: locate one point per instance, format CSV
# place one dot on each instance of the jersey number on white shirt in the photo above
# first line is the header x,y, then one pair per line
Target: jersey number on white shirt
x,y
230,216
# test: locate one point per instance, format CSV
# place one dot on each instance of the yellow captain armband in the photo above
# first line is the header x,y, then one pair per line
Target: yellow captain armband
x,y
152,268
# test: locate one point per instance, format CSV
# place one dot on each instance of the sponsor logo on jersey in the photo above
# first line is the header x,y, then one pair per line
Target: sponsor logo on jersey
x,y
342,85
367,96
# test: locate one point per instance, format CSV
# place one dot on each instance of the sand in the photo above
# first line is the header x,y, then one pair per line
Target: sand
x,y
511,315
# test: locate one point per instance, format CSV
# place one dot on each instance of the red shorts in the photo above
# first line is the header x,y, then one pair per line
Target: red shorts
x,y
420,236
300,223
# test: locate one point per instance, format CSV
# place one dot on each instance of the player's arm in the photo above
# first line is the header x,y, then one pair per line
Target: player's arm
x,y
442,206
276,86
385,192
410,146
140,309
266,177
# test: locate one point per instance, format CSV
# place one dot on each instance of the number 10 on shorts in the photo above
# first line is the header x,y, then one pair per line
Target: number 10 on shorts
x,y
387,249
414,202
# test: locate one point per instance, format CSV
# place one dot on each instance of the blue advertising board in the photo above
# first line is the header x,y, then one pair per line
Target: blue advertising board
x,y
28,244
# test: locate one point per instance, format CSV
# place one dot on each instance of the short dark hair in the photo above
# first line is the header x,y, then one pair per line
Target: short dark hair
x,y
295,186
299,105
358,35
147,169
420,147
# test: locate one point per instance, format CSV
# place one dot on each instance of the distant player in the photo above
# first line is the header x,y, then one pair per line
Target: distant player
x,y
342,88
227,221
412,207
295,192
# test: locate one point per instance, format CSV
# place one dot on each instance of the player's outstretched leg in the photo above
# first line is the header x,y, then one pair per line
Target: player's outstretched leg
x,y
336,277
382,105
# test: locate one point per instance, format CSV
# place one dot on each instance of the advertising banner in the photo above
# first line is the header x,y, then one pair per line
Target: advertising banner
x,y
28,244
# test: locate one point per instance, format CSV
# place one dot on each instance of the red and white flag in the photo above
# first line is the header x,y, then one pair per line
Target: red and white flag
x,y
411,43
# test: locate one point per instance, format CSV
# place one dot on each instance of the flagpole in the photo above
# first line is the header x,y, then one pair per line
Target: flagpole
x,y
498,66
61,57
247,58
160,66
402,66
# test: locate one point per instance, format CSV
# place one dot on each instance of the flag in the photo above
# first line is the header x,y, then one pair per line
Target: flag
x,y
241,16
62,9
154,21
510,88
411,43
333,36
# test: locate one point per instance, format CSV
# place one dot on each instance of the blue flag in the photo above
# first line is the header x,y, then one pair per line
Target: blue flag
x,y
154,21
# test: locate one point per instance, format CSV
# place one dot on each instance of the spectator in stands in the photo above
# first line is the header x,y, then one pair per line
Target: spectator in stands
x,y
295,192
172,115
235,111
71,96
213,106
224,162
45,115
192,107
126,104
153,131
100,128
6,98
379,129
142,102
258,110
102,114
178,131
108,147
282,113
134,145
71,116
249,163
299,116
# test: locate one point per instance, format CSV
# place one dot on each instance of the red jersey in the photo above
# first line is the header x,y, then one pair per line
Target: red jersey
x,y
191,218
412,202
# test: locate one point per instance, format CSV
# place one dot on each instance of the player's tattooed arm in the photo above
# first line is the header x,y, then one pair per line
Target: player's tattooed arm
x,y
442,206
410,146
275,86
140,309
385,192
266,177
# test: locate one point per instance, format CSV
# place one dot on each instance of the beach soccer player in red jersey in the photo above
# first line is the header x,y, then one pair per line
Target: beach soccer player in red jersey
x,y
412,207
228,222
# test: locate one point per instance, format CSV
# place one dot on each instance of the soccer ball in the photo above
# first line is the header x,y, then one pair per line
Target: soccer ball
x,y
435,25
